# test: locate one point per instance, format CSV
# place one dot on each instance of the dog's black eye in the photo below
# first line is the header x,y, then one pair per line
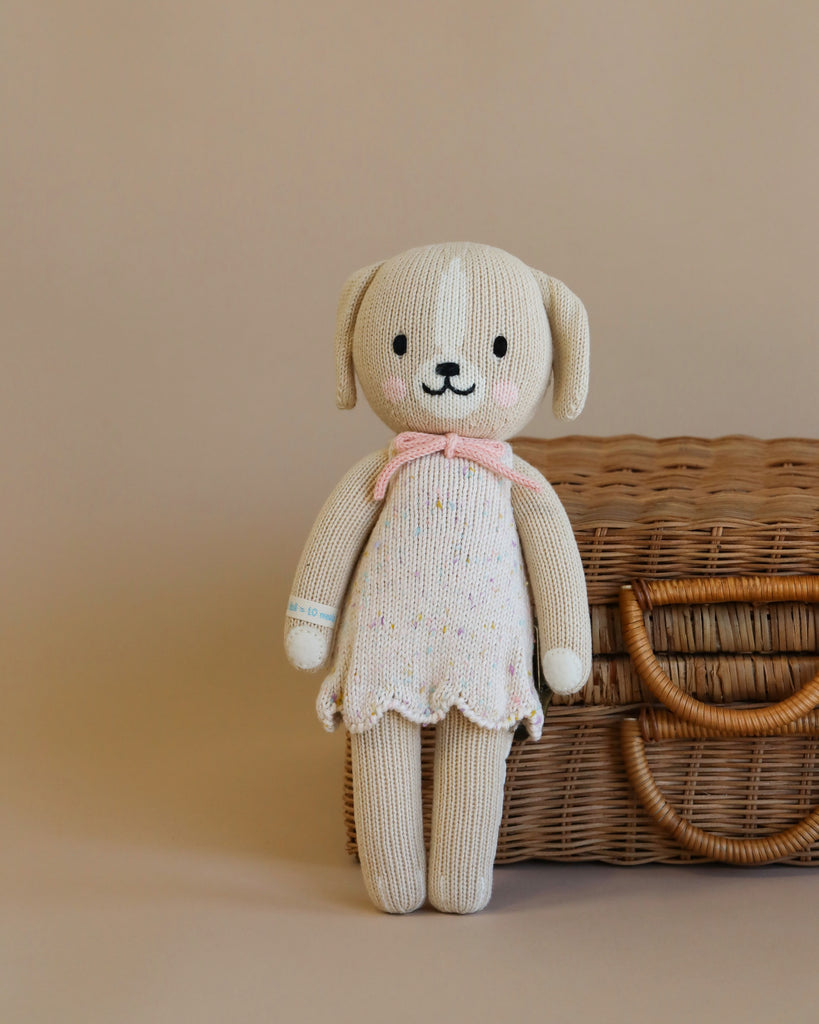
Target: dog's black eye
x,y
499,346
399,344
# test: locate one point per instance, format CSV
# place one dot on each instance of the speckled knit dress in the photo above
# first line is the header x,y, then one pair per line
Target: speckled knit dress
x,y
438,614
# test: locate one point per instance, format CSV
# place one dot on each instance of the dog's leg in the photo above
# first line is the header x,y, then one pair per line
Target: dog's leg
x,y
470,770
389,824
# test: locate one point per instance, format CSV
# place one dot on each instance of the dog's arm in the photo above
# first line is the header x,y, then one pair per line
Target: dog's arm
x,y
557,581
328,560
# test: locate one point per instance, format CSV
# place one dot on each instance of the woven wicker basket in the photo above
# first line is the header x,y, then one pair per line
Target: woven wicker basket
x,y
617,778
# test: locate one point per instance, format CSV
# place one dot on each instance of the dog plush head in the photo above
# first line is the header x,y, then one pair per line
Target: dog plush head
x,y
460,337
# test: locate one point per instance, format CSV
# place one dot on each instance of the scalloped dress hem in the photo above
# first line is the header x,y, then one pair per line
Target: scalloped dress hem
x,y
332,715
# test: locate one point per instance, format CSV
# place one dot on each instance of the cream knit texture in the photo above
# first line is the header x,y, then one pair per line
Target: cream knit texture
x,y
330,555
438,614
386,763
431,582
556,578
467,802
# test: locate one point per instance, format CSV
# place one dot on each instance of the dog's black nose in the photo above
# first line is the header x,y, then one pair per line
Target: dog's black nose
x,y
448,369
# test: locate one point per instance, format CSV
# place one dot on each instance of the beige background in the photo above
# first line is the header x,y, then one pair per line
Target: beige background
x,y
184,188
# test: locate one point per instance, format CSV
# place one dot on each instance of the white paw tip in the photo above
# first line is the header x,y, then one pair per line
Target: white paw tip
x,y
305,648
563,670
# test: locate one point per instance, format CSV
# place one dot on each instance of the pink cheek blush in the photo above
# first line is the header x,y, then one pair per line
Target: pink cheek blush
x,y
505,394
394,389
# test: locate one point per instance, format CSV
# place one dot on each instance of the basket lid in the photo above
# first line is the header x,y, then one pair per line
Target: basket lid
x,y
617,481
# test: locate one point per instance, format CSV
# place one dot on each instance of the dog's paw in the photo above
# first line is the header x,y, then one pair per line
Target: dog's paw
x,y
563,670
308,645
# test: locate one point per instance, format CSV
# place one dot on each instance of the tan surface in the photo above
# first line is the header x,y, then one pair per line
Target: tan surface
x,y
184,188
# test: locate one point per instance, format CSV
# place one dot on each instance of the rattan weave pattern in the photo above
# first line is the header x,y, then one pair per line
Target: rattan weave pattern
x,y
708,628
678,507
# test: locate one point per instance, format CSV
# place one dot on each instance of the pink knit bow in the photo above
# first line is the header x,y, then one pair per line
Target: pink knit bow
x,y
411,445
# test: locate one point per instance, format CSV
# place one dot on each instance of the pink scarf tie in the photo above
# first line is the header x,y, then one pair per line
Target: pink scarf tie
x,y
411,445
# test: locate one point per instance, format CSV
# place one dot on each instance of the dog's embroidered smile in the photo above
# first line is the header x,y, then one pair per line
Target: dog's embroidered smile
x,y
447,371
447,386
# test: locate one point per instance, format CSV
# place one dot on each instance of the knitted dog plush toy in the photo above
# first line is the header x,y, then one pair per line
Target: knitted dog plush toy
x,y
427,547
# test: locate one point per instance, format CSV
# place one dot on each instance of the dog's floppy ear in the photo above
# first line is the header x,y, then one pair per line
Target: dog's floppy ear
x,y
570,341
348,305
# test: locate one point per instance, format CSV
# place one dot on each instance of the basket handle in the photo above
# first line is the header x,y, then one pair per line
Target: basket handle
x,y
762,850
646,594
